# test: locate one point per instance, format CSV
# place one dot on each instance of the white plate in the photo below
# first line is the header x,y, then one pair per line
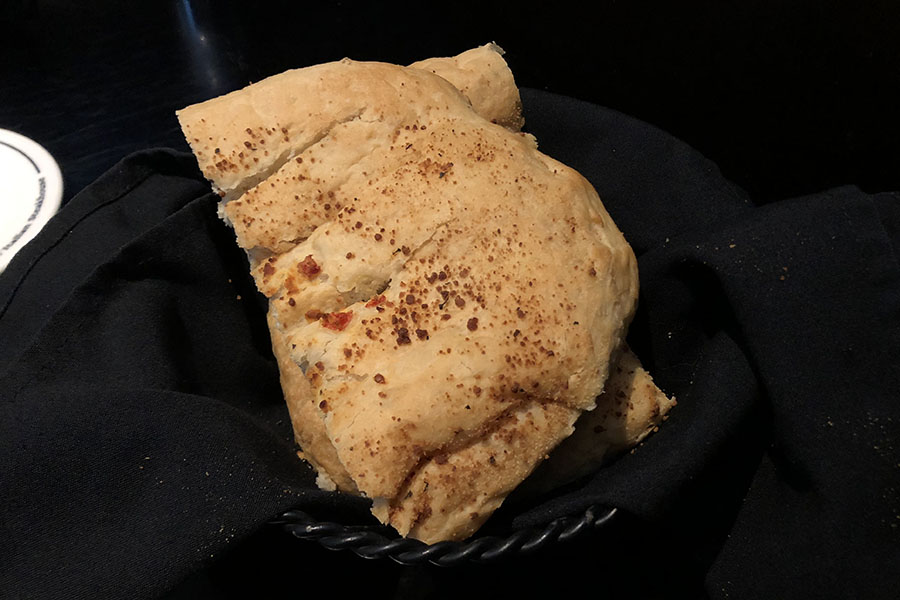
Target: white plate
x,y
31,189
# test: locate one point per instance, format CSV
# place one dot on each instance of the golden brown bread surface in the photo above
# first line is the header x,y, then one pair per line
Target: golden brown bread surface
x,y
452,295
629,409
473,320
309,430
242,137
484,78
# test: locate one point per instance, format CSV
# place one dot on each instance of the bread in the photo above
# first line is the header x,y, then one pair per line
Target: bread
x,y
484,78
241,138
309,430
480,72
452,296
629,409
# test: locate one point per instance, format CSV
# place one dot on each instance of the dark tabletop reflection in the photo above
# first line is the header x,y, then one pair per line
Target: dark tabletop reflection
x,y
786,100
215,63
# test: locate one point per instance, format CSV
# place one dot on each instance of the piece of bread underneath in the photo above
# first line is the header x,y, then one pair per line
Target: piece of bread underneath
x,y
444,299
629,409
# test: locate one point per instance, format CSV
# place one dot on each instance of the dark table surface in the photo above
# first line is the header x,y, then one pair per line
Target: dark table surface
x,y
786,100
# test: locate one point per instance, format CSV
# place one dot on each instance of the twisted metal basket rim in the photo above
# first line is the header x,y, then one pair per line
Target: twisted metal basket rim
x,y
380,542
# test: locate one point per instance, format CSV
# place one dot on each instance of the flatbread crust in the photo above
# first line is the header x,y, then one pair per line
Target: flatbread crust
x,y
450,296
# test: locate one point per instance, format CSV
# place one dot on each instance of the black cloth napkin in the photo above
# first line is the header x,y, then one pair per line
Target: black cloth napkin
x,y
144,443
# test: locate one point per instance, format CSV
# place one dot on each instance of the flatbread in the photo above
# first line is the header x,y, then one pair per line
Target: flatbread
x,y
452,296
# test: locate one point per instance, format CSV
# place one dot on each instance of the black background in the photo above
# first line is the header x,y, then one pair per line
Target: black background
x,y
786,97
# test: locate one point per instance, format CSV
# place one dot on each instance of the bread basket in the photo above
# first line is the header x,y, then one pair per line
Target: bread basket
x,y
381,542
